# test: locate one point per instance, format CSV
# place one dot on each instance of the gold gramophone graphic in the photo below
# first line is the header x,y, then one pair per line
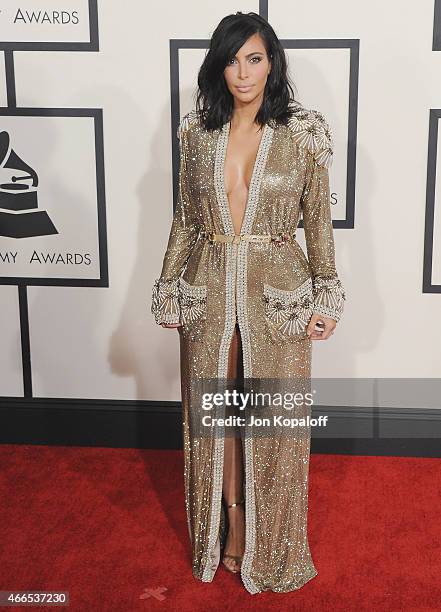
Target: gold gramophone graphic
x,y
19,214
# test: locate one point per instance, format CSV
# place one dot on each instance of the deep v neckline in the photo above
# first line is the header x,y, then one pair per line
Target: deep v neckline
x,y
254,185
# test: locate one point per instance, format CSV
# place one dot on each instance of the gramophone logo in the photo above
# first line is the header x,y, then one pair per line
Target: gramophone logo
x,y
19,214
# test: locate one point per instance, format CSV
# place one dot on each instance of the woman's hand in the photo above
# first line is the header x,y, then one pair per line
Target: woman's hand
x,y
326,325
171,325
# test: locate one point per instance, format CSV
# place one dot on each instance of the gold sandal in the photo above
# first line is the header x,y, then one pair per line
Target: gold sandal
x,y
237,558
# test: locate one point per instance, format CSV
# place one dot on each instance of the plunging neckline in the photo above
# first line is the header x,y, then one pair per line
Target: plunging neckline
x,y
258,162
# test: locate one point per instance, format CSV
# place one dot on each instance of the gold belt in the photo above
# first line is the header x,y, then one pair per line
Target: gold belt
x,y
237,238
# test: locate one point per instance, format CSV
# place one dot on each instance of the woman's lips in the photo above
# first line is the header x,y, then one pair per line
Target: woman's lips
x,y
244,87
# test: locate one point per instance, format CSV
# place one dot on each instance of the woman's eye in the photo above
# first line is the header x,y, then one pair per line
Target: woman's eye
x,y
253,58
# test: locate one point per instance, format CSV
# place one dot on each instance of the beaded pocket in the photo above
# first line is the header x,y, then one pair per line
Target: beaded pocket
x,y
193,303
288,313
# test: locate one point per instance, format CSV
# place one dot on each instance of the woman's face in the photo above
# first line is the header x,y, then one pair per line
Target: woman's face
x,y
246,74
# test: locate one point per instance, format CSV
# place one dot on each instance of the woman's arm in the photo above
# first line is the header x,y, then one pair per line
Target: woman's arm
x,y
183,235
328,291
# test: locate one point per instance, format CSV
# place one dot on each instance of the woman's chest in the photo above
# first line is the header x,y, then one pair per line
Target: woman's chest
x,y
279,173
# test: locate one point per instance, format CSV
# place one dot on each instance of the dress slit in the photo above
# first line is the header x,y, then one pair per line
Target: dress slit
x,y
235,372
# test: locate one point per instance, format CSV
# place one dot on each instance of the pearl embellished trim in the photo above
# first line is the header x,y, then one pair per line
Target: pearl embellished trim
x,y
165,301
236,285
329,297
176,301
311,130
219,432
290,311
193,301
242,292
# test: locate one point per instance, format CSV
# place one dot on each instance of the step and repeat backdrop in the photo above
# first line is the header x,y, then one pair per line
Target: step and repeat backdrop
x,y
91,93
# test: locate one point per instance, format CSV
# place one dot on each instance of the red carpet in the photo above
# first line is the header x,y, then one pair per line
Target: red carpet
x,y
108,525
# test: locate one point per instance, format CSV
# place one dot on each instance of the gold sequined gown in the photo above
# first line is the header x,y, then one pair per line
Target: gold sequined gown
x,y
270,290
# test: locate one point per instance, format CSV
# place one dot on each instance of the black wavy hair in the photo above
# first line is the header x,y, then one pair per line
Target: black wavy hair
x,y
214,102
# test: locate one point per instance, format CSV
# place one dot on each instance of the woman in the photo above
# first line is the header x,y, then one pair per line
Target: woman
x,y
246,300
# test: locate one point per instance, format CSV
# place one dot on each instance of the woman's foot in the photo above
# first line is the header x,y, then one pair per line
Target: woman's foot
x,y
235,542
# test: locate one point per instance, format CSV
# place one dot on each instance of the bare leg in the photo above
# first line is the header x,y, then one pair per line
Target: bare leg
x,y
233,467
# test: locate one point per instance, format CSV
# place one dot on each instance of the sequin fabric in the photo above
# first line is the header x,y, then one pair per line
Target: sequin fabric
x,y
271,289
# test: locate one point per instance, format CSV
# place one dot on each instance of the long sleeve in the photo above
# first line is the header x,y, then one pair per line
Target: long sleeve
x,y
183,234
329,294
